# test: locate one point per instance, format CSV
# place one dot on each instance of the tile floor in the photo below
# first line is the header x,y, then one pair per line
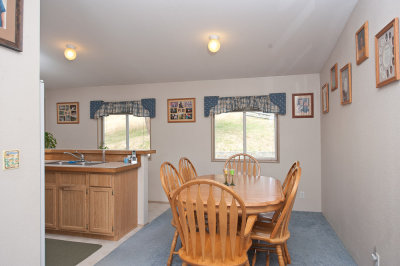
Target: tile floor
x,y
155,209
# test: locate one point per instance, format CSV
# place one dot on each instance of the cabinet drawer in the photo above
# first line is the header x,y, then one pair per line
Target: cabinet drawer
x,y
72,178
100,180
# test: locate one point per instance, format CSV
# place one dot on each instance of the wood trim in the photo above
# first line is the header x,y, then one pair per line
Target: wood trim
x,y
335,68
93,169
395,24
98,151
312,105
350,81
359,60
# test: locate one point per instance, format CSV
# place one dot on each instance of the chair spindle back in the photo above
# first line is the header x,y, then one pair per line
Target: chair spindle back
x,y
189,214
186,169
243,163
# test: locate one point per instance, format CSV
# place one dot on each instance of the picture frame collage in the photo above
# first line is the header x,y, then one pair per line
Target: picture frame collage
x,y
68,113
181,110
387,67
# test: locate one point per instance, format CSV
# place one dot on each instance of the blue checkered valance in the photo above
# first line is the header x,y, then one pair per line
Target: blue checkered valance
x,y
142,108
272,103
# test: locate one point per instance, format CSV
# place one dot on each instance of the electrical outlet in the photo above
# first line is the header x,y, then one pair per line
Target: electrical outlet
x,y
375,257
301,195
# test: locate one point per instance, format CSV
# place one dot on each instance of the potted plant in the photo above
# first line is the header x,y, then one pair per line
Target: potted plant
x,y
50,141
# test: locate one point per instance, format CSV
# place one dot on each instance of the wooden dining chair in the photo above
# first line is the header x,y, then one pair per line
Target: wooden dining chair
x,y
273,216
186,169
277,233
212,243
244,164
170,181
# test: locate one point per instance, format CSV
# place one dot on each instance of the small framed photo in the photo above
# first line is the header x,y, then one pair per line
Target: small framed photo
x,y
345,84
303,105
181,110
325,98
362,44
387,54
11,24
68,113
334,77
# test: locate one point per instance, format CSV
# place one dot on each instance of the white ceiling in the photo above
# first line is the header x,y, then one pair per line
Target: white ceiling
x,y
147,41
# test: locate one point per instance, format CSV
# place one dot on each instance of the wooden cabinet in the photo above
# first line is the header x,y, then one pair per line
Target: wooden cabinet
x,y
101,202
50,198
93,204
73,208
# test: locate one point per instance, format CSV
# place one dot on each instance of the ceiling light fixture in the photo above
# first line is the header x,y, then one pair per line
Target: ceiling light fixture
x,y
70,52
213,44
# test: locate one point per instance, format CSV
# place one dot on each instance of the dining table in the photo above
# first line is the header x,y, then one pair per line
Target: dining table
x,y
259,193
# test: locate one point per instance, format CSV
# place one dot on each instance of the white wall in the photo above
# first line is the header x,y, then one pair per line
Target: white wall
x,y
360,147
20,129
299,138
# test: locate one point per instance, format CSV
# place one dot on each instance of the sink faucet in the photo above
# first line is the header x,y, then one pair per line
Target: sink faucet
x,y
81,157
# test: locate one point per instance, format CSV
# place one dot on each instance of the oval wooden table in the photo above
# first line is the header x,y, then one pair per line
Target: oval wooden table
x,y
260,194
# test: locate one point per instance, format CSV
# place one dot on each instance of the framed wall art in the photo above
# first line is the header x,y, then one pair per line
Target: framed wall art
x,y
345,84
181,110
387,54
362,44
325,98
11,24
68,113
303,105
334,77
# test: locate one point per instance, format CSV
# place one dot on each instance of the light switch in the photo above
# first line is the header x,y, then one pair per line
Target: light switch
x,y
10,159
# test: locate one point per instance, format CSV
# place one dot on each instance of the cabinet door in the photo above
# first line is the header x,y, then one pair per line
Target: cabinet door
x,y
101,210
73,208
51,206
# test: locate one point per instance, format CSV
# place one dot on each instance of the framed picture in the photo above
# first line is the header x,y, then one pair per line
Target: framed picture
x,y
68,113
387,54
11,24
303,105
362,44
345,84
334,77
325,98
181,110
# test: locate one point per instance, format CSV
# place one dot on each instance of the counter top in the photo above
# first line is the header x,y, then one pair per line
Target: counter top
x,y
107,167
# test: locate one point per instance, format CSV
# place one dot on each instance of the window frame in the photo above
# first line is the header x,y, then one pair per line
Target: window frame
x,y
272,160
101,132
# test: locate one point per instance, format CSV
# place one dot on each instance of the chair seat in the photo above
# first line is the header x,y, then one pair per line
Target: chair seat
x,y
262,231
237,260
265,216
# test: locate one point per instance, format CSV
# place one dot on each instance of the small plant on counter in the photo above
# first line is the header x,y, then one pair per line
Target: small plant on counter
x,y
50,141
103,147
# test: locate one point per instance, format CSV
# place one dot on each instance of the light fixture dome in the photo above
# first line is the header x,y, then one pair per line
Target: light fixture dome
x,y
70,52
214,44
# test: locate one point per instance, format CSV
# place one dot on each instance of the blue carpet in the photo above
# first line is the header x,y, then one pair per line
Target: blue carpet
x,y
312,242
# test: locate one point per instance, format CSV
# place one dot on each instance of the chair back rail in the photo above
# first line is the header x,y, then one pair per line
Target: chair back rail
x,y
243,163
187,169
190,216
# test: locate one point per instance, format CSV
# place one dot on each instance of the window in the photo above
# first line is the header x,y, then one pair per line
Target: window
x,y
126,132
255,133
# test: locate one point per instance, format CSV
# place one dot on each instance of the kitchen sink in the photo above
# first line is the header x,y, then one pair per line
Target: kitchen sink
x,y
78,163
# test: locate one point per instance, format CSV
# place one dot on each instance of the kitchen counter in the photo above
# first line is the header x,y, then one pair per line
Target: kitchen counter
x,y
107,167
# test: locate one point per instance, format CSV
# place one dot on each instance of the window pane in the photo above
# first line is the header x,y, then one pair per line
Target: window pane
x,y
139,133
228,134
115,132
260,135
